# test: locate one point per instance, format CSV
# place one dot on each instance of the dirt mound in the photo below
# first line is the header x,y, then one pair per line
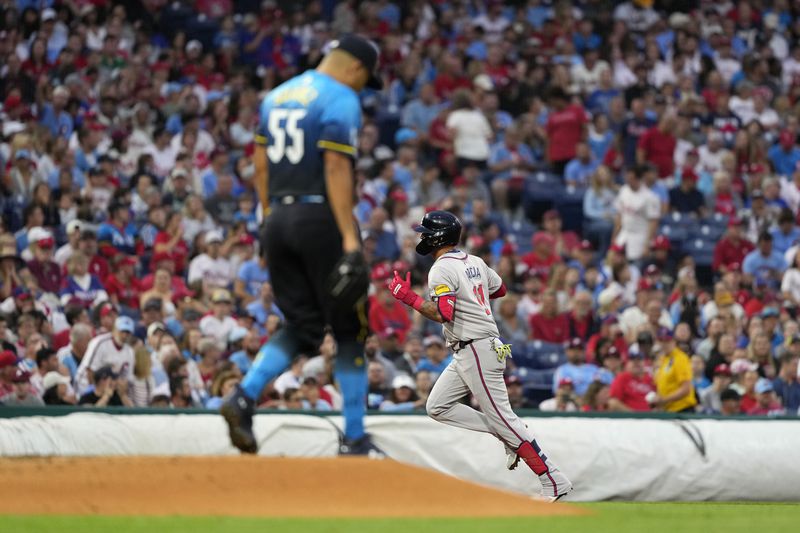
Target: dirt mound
x,y
250,486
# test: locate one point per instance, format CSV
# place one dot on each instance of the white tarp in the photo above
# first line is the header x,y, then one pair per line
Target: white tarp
x,y
606,458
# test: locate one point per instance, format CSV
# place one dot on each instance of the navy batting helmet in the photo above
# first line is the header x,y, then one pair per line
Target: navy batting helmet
x,y
438,228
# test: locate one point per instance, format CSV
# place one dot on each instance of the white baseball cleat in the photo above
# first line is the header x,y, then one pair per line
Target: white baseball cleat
x,y
555,485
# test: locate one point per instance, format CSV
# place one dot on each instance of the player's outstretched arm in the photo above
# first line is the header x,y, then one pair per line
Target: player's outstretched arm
x,y
401,290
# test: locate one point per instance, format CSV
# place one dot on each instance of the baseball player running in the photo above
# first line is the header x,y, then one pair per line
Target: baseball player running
x,y
461,286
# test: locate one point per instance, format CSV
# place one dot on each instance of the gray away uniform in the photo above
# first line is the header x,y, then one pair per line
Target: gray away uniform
x,y
478,366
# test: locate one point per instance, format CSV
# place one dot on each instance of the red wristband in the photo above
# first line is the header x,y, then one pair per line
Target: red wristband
x,y
417,303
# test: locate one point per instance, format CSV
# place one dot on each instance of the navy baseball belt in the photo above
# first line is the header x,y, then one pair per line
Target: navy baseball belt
x,y
460,345
300,199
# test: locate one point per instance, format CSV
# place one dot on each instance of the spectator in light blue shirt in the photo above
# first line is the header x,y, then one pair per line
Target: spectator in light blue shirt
x,y
784,155
764,262
598,209
53,115
786,234
418,114
579,170
251,277
576,368
436,357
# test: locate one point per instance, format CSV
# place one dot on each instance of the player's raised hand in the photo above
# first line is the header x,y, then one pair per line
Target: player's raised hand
x,y
401,290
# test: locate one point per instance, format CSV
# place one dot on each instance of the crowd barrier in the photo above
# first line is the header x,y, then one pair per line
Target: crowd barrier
x,y
655,458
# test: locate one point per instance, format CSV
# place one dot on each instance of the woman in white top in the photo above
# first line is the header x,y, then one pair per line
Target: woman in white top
x,y
143,384
790,285
470,131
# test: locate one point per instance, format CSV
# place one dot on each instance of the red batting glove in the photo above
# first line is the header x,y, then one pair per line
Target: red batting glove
x,y
401,290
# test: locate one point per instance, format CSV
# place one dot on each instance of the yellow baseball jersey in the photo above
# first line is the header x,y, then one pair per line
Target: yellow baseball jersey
x,y
673,370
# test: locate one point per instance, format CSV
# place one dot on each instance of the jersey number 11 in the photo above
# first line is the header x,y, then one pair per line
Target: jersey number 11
x,y
478,291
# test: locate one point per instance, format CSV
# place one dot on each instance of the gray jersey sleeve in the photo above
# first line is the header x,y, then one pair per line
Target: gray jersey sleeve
x,y
442,280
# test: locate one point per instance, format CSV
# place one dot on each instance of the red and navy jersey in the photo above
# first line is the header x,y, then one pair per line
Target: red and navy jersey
x,y
87,295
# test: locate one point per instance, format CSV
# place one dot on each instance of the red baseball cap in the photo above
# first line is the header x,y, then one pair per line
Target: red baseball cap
x,y
542,237
722,369
7,358
247,239
508,249
644,285
652,270
689,175
381,272
162,256
12,101
398,195
565,381
586,245
46,243
661,242
618,248
575,342
107,309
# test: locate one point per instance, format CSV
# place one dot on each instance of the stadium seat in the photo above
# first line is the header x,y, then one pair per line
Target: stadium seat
x,y
520,233
203,29
536,384
569,204
542,355
676,228
541,191
701,250
706,232
175,17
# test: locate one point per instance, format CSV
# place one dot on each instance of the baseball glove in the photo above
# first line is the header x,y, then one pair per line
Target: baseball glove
x,y
349,281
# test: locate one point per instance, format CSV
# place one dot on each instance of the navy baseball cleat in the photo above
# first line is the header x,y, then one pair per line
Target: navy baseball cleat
x,y
361,446
238,413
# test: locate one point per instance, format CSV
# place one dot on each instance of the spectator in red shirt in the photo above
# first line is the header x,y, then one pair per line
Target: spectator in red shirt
x,y
610,332
565,243
548,324
582,323
44,269
451,78
170,241
657,146
732,247
384,311
98,265
746,383
543,257
165,261
630,388
122,285
566,127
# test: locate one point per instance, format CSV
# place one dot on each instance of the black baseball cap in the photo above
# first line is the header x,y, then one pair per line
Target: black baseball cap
x,y
365,51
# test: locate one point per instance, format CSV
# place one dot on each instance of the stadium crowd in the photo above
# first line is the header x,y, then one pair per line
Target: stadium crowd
x,y
629,168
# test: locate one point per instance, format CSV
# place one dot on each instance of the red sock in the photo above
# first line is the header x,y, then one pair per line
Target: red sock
x,y
532,459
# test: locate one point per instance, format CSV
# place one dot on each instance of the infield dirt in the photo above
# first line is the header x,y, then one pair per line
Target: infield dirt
x,y
250,486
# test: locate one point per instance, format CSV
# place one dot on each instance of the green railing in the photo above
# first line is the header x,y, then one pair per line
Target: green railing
x,y
17,412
